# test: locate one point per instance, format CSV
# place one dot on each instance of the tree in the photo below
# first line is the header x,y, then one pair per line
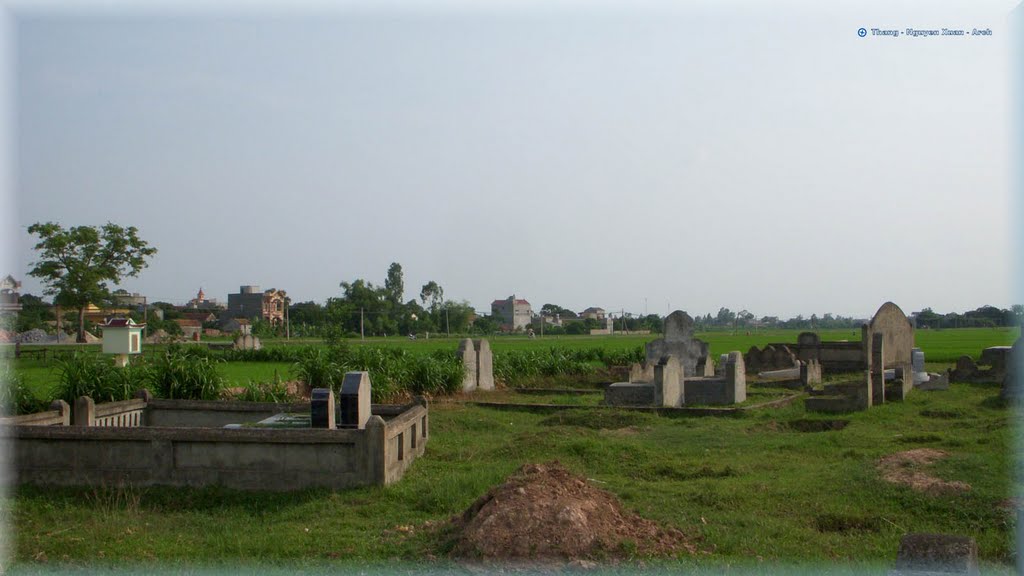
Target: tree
x,y
76,264
434,293
394,284
552,310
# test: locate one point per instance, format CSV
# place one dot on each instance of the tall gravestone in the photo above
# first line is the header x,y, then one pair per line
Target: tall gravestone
x,y
354,400
467,353
898,333
735,378
679,342
484,365
668,389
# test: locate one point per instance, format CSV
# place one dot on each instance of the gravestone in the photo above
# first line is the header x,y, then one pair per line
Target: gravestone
x,y
898,333
720,367
678,342
752,360
668,390
810,373
641,372
934,554
484,365
467,353
354,400
808,339
917,365
735,379
321,409
965,370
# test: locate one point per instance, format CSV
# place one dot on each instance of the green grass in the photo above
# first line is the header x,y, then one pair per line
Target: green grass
x,y
745,488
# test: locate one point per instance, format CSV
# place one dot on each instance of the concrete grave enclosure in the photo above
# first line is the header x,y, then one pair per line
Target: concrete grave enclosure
x,y
887,345
147,441
679,372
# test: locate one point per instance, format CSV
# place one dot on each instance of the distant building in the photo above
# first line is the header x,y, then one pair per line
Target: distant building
x,y
190,329
10,303
97,315
201,302
250,302
516,313
9,296
595,313
128,300
232,325
201,317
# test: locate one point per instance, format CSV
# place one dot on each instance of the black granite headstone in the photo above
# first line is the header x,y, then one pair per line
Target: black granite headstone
x,y
321,408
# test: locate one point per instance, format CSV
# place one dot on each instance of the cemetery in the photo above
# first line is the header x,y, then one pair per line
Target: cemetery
x,y
607,472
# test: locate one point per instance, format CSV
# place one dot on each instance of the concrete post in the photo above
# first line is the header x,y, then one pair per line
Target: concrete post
x,y
64,410
85,412
877,368
377,450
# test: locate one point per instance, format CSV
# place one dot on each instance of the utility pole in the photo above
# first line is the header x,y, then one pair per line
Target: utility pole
x,y
362,335
287,321
447,326
145,315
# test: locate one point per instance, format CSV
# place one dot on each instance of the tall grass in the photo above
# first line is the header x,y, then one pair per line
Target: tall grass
x,y
98,377
178,375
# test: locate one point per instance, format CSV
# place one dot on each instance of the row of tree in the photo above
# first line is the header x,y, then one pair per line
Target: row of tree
x,y
77,264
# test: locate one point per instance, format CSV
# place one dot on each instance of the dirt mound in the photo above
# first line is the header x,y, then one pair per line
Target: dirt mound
x,y
905,468
543,511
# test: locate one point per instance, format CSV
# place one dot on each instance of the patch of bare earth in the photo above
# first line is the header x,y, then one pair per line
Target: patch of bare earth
x,y
907,468
543,511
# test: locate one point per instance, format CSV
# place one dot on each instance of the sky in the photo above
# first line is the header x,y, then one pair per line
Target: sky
x,y
633,156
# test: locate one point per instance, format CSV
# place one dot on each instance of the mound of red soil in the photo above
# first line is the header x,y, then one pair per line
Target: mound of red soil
x,y
543,511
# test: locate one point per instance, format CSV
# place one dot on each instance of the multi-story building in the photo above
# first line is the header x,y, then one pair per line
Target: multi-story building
x,y
201,302
516,313
250,302
595,313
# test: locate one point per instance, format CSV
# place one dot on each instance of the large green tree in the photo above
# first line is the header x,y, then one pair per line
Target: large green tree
x,y
76,264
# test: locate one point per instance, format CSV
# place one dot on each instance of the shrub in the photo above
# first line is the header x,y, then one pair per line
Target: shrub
x,y
180,375
319,369
15,396
97,377
273,391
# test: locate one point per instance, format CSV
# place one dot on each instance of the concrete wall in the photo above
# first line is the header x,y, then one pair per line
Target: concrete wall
x,y
629,394
242,458
212,413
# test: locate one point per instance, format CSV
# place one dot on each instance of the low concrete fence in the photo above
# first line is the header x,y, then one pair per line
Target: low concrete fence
x,y
59,414
125,442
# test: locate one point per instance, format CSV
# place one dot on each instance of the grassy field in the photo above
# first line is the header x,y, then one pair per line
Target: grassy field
x,y
749,490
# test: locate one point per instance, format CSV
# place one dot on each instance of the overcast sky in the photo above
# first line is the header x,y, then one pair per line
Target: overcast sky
x,y
614,155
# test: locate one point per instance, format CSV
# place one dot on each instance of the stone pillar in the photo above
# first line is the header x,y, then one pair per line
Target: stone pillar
x,y
376,451
484,365
467,353
668,383
85,411
62,408
735,378
877,364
